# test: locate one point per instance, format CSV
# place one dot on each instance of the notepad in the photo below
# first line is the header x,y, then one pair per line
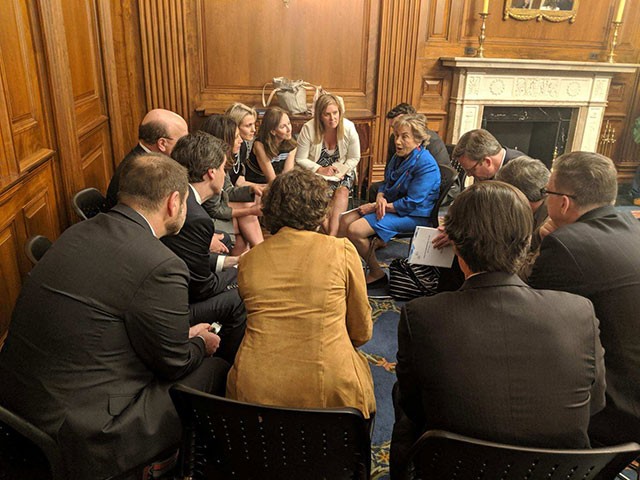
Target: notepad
x,y
424,253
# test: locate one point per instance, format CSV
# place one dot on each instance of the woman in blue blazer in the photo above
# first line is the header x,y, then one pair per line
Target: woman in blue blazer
x,y
405,199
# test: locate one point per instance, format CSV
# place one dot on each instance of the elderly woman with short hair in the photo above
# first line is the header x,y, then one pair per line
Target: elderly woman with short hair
x,y
305,315
410,191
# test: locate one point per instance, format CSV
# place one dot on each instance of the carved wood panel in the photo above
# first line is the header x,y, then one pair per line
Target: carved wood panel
x,y
23,120
10,278
95,150
28,208
330,43
88,90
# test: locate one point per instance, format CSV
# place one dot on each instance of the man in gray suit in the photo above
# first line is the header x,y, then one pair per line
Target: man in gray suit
x,y
591,249
101,331
496,360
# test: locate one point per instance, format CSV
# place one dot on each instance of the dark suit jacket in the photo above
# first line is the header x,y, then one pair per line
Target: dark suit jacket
x,y
99,333
598,257
114,184
192,246
500,361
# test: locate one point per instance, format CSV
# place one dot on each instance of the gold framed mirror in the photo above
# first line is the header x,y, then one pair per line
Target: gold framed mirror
x,y
550,10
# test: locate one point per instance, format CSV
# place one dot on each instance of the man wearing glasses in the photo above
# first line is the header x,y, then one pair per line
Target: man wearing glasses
x,y
481,155
591,249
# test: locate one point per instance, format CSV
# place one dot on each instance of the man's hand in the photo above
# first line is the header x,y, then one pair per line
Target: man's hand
x,y
230,261
441,240
216,245
211,340
547,228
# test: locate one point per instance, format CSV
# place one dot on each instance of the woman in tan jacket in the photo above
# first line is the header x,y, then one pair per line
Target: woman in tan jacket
x,y
307,308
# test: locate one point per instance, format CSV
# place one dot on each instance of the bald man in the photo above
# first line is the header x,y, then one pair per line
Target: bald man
x,y
158,132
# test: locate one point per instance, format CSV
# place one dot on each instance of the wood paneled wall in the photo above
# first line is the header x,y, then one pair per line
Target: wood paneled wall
x,y
374,53
65,109
451,26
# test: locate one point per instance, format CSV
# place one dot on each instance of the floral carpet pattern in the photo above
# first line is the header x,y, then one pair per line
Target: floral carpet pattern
x,y
381,351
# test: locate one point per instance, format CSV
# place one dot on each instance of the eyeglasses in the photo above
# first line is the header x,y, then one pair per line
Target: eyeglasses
x,y
546,192
472,170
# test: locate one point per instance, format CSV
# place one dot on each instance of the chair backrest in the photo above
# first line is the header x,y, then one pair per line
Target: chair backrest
x,y
27,452
439,454
447,176
88,203
36,247
229,439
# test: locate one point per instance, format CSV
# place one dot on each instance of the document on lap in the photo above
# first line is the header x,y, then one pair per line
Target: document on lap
x,y
424,253
342,171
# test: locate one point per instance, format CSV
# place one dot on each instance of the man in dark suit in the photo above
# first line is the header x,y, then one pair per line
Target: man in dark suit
x,y
436,146
496,360
480,155
212,297
158,132
101,331
591,249
530,176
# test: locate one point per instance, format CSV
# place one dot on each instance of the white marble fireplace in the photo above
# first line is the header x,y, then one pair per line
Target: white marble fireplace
x,y
484,82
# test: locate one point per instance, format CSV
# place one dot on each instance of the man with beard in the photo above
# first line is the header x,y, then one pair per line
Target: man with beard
x,y
101,331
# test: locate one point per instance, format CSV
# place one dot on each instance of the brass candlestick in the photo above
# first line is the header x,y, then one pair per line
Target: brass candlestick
x,y
482,37
614,41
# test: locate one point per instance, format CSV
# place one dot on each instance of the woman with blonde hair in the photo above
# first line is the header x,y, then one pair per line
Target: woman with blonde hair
x,y
274,149
246,118
237,208
305,316
329,146
405,199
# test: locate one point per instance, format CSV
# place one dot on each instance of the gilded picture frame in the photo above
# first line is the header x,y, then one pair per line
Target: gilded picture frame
x,y
550,10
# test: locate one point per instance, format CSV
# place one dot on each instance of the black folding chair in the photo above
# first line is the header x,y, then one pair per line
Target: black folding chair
x,y
227,439
36,247
26,452
438,454
88,203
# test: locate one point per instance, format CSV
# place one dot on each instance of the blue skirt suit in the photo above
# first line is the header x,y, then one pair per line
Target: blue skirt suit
x,y
412,184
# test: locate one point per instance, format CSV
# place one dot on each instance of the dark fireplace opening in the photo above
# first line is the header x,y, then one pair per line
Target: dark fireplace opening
x,y
540,132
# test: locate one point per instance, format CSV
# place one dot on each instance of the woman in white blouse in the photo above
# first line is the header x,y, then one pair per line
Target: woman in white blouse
x,y
329,145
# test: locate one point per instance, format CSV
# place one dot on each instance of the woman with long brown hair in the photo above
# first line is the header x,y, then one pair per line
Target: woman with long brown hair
x,y
274,150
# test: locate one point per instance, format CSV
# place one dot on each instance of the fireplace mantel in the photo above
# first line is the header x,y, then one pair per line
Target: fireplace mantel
x,y
480,82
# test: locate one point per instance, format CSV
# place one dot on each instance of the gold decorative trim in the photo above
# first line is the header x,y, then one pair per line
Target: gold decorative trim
x,y
554,16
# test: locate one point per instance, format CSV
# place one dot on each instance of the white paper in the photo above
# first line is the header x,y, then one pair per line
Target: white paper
x,y
342,171
424,253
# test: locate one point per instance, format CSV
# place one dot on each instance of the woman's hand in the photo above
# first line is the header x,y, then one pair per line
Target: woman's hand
x,y
329,171
258,190
381,207
367,208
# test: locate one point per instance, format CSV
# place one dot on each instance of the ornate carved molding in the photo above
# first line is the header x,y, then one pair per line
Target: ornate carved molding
x,y
478,83
162,29
396,73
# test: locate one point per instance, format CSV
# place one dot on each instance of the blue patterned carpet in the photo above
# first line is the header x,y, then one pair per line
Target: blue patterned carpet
x,y
381,352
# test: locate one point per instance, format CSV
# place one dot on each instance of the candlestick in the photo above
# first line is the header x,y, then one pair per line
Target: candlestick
x,y
619,12
485,6
614,40
481,38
